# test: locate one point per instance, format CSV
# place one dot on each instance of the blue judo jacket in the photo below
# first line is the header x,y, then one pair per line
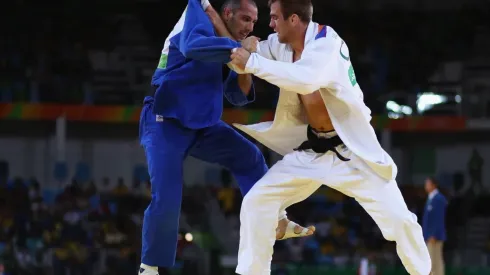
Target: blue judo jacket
x,y
189,78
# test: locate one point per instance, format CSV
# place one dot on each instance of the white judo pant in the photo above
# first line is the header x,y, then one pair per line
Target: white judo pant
x,y
301,173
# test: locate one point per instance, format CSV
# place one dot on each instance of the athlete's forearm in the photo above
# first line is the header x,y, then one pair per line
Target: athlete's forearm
x,y
218,23
239,90
245,83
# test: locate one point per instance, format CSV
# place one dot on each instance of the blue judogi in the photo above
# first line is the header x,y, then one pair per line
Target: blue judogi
x,y
184,119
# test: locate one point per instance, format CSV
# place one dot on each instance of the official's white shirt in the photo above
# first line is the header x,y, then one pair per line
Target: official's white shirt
x,y
324,66
433,194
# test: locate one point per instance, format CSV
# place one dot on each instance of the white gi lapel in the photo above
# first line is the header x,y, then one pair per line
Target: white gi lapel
x,y
288,130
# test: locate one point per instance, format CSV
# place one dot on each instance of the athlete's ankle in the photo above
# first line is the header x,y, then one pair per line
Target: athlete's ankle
x,y
283,223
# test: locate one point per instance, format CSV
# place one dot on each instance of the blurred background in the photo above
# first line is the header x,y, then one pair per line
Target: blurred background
x,y
73,180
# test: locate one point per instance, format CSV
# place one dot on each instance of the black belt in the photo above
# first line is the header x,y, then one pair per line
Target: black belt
x,y
320,144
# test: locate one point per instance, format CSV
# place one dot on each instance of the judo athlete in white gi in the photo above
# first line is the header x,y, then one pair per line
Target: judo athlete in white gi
x,y
322,127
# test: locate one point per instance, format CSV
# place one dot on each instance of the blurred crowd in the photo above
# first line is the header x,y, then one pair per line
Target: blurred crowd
x,y
68,229
95,227
88,228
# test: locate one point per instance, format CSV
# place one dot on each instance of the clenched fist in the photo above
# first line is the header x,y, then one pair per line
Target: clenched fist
x,y
239,58
250,43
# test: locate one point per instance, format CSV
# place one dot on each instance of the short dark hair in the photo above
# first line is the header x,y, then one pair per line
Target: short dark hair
x,y
235,4
302,8
434,181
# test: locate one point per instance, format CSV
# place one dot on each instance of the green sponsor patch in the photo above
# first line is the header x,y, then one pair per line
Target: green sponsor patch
x,y
163,61
352,76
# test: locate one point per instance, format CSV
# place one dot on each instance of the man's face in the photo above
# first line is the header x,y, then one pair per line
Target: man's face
x,y
241,22
280,25
429,187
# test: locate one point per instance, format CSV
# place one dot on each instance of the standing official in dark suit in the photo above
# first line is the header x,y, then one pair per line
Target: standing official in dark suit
x,y
433,225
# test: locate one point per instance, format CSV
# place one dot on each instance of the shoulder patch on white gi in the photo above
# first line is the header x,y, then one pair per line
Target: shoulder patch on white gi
x,y
322,32
160,118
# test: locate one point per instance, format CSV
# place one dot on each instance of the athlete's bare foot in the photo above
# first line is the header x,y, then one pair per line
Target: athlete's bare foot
x,y
298,231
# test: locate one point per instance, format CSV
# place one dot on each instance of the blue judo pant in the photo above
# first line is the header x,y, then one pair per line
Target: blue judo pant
x,y
167,144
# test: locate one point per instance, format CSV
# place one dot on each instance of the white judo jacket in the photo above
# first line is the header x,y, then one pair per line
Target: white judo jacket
x,y
324,66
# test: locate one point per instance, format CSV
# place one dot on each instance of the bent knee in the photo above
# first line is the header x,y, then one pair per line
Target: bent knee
x,y
403,222
251,200
259,201
250,165
252,154
396,223
404,218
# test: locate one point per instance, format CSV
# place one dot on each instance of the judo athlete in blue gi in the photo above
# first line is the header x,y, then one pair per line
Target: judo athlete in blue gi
x,y
183,118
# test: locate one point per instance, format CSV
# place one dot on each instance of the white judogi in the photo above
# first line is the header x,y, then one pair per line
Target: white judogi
x,y
369,176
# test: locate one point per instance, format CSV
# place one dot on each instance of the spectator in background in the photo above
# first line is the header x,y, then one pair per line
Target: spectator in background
x,y
4,172
121,188
226,195
475,165
433,225
105,187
